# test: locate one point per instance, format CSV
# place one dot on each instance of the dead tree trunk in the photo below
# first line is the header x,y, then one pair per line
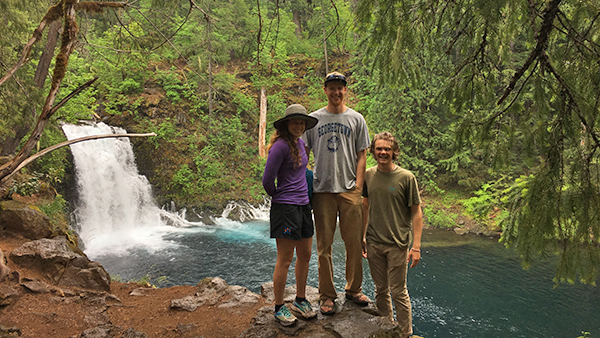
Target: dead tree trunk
x,y
324,39
262,125
41,71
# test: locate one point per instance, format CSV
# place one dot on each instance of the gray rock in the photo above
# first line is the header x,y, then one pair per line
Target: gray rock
x,y
97,332
211,291
240,296
289,294
350,321
97,318
20,219
183,328
36,286
9,332
61,264
8,295
460,231
4,270
357,324
141,292
133,333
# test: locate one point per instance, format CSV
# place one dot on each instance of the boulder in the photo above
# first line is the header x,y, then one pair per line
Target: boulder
x,y
350,320
289,294
8,295
212,291
61,265
9,332
20,219
35,286
4,270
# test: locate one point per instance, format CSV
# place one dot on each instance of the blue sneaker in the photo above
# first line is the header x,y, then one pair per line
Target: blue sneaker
x,y
304,309
285,317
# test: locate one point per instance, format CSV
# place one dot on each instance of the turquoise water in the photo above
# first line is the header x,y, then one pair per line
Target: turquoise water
x,y
463,287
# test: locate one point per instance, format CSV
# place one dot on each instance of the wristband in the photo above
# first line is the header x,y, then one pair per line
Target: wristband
x,y
416,250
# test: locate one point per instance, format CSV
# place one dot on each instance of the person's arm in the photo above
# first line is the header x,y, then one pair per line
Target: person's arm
x,y
365,201
274,161
361,167
417,222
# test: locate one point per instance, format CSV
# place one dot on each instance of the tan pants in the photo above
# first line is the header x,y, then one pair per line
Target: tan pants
x,y
388,268
326,207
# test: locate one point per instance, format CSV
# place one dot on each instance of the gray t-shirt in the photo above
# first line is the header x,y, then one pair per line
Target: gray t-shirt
x,y
336,141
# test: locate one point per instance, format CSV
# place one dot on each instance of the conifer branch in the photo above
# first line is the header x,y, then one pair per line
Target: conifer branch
x,y
568,91
542,42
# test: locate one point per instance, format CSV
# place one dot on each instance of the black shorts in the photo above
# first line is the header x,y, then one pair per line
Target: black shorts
x,y
291,221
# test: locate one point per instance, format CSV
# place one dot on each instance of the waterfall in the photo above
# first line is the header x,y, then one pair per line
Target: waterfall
x,y
115,211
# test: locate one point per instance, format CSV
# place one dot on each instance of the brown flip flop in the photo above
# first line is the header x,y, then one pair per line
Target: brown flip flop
x,y
324,304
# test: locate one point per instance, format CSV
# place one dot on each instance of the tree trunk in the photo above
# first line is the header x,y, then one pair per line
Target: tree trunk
x,y
9,146
42,69
296,19
262,125
324,38
69,36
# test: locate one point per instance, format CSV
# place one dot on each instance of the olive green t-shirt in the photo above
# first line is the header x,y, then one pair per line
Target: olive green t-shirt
x,y
391,194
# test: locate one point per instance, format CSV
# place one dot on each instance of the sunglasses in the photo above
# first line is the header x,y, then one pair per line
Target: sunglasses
x,y
335,77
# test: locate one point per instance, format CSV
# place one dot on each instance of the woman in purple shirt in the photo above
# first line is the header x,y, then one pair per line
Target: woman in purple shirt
x,y
291,218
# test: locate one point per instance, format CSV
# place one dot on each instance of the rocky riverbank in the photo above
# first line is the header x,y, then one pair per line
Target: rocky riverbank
x,y
35,302
49,288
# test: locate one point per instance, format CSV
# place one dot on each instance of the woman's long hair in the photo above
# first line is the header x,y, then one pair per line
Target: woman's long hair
x,y
284,134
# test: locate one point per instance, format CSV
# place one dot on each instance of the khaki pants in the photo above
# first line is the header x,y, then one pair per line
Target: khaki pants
x,y
388,268
326,207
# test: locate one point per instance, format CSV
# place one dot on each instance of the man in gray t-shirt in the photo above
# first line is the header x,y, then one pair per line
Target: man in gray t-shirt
x,y
339,142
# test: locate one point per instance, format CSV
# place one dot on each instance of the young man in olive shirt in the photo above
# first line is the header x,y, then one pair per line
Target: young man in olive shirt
x,y
392,219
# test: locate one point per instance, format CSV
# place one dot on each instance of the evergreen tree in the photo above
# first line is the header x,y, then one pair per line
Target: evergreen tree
x,y
524,77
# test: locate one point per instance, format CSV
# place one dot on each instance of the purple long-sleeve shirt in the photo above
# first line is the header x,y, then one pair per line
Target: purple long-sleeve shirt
x,y
291,182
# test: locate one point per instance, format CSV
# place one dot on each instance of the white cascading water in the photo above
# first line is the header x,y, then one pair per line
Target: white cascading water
x,y
116,211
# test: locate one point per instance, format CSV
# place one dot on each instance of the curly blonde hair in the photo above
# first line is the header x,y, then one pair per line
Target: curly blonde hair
x,y
387,136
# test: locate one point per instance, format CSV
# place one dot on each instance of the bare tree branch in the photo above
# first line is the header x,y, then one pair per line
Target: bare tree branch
x,y
34,157
68,39
54,13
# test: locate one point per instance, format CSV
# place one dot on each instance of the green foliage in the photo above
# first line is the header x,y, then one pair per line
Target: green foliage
x,y
421,128
56,210
487,205
166,131
171,83
51,165
439,218
28,186
149,280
